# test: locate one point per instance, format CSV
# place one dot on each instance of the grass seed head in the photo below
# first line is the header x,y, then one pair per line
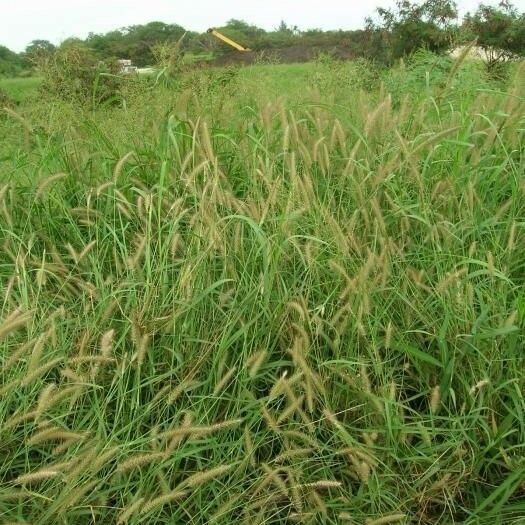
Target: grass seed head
x,y
35,477
129,511
14,322
435,399
140,460
199,478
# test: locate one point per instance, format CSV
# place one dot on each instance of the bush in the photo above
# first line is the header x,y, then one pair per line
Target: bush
x,y
333,75
11,64
73,73
500,32
424,72
410,26
211,81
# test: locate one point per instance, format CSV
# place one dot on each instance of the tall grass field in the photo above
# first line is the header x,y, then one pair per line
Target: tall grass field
x,y
276,295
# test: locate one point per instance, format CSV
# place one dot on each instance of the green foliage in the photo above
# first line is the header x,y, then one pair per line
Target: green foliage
x,y
397,33
169,59
412,26
411,35
500,31
295,308
209,89
39,50
5,100
247,35
73,73
11,64
20,88
136,42
336,76
423,72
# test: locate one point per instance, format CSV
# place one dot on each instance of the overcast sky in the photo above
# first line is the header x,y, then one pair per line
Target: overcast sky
x,y
24,20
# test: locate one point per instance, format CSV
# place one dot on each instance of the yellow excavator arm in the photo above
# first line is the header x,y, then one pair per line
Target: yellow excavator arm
x,y
227,40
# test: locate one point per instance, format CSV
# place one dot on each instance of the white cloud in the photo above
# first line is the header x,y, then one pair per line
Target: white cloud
x,y
24,20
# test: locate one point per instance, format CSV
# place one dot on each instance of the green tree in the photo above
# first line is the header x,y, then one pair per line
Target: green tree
x,y
411,26
135,43
286,29
140,40
109,45
11,63
38,49
500,31
247,30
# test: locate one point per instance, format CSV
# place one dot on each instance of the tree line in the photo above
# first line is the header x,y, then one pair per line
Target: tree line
x,y
389,35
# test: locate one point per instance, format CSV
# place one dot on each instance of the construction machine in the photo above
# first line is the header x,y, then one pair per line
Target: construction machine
x,y
227,40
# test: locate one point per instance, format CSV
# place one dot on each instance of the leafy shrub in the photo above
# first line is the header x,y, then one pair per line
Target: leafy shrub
x,y
73,73
410,26
267,57
169,58
424,71
211,81
334,75
11,64
500,32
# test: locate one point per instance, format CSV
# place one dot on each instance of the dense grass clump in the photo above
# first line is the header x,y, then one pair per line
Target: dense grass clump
x,y
295,312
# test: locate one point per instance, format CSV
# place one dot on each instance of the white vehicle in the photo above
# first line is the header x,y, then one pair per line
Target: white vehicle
x,y
127,67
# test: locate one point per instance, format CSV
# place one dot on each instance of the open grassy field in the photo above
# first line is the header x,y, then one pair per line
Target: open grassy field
x,y
276,78
19,89
287,294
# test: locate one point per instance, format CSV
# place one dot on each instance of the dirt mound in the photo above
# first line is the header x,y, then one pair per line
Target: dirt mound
x,y
286,55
